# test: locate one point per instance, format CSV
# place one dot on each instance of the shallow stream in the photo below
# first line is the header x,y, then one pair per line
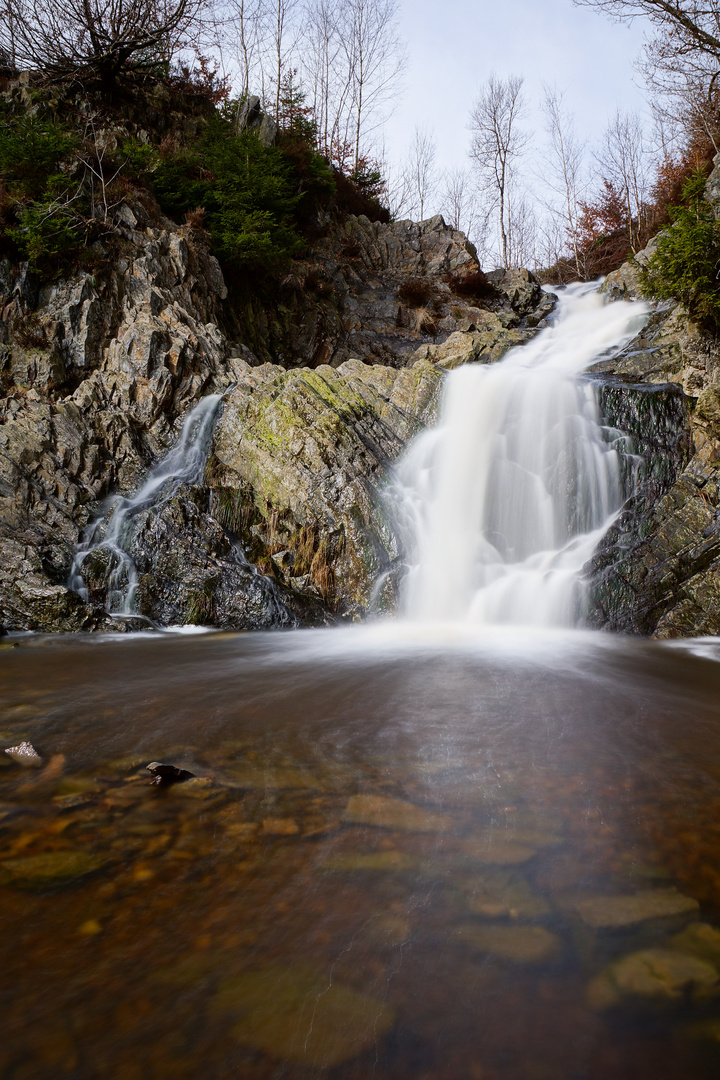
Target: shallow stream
x,y
431,854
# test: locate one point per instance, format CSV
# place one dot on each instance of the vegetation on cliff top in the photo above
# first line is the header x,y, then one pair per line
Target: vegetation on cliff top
x,y
685,264
66,167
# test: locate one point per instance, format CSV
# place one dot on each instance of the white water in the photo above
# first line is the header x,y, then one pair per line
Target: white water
x,y
114,531
505,500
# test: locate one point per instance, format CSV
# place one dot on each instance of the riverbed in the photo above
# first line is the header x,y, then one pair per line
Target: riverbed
x,y
414,852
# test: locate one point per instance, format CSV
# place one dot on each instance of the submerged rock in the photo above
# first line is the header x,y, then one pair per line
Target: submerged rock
x,y
623,912
520,944
654,975
50,870
497,894
301,1016
386,813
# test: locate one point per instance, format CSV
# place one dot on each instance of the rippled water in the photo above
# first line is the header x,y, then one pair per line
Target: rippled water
x,y
402,859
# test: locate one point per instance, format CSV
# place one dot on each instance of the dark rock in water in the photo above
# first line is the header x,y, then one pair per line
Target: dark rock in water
x,y
164,775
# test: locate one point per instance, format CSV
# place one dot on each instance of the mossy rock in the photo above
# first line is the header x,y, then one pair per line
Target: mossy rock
x,y
51,870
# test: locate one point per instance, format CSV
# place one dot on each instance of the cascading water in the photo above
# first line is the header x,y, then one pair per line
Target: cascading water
x,y
504,501
111,535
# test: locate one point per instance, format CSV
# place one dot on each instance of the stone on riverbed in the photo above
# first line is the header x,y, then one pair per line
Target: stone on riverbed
x,y
51,870
520,944
654,975
387,813
503,896
699,939
496,847
624,912
303,1017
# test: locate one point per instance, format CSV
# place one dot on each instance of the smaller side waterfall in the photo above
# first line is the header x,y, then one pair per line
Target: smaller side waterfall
x,y
109,537
505,500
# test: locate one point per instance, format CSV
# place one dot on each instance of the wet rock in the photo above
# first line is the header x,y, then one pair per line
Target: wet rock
x,y
386,813
520,944
25,754
165,775
304,457
50,870
197,787
654,975
300,1016
624,912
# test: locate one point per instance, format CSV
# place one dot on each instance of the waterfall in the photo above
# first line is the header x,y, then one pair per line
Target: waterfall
x,y
109,537
503,502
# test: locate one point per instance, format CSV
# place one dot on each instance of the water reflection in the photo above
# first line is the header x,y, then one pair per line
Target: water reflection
x,y
406,853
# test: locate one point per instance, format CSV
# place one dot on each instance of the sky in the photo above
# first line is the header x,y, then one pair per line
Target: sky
x,y
454,46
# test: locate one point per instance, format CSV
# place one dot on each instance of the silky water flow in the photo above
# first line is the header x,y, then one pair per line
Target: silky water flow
x,y
502,503
111,535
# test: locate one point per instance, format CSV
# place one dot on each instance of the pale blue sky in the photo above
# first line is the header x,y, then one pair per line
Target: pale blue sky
x,y
454,46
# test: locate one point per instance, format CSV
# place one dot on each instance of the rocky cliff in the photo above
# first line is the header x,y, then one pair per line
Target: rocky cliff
x,y
658,570
288,524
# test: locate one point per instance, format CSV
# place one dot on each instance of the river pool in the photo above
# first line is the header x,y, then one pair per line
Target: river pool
x,y
431,854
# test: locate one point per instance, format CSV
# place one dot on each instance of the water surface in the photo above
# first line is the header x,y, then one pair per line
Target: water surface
x,y
284,917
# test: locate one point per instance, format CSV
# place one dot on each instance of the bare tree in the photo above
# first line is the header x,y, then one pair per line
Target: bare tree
x,y
99,38
374,57
240,24
522,227
329,76
564,165
460,203
421,170
624,162
497,144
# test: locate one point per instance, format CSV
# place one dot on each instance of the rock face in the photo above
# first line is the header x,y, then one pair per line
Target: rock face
x,y
307,454
658,569
96,375
290,524
379,292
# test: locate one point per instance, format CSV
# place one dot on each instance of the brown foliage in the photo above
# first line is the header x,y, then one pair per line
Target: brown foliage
x,y
201,81
195,219
415,291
